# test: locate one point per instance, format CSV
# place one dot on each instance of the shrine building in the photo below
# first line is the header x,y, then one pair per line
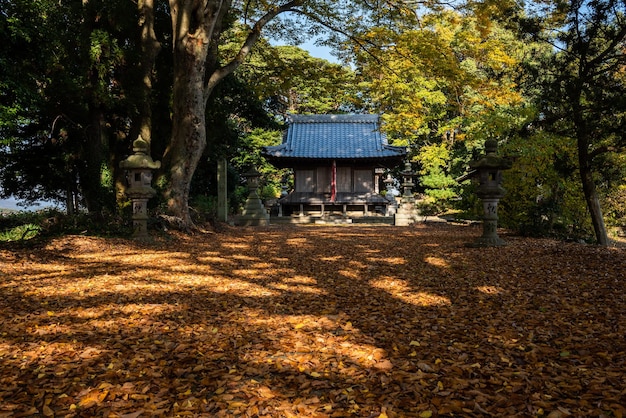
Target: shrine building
x,y
338,162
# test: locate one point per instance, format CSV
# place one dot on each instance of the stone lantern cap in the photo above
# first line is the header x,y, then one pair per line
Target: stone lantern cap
x,y
491,160
253,172
140,159
408,170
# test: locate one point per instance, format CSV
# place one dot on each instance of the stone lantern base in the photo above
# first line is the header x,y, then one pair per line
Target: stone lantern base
x,y
254,213
490,236
140,217
406,214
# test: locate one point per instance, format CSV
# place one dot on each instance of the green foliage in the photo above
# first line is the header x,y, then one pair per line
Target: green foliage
x,y
613,186
250,146
238,198
543,192
105,56
63,68
270,191
289,80
449,75
581,94
444,87
204,208
444,81
27,225
440,188
249,156
20,233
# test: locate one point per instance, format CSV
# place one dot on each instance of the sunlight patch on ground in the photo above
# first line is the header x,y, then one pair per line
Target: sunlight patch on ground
x,y
244,257
296,241
236,246
146,259
261,265
190,268
300,280
350,274
401,289
40,274
250,273
305,340
490,290
357,264
300,284
332,259
242,288
388,260
211,259
437,262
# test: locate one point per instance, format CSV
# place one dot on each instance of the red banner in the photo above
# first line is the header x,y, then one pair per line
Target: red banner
x,y
333,182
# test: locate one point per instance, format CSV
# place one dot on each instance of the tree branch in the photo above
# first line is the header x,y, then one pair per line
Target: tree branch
x,y
244,51
603,150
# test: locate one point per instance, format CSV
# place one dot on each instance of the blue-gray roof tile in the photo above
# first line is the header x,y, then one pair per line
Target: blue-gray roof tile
x,y
334,137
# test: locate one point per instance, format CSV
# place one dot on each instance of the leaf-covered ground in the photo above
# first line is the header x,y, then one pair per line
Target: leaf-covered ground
x,y
313,322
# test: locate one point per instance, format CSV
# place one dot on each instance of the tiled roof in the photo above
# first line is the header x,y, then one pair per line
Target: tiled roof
x,y
334,137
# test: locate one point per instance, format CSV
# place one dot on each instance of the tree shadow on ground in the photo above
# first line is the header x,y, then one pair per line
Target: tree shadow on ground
x,y
311,321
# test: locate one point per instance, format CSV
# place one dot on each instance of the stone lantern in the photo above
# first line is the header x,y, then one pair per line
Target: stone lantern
x,y
406,214
254,213
390,195
407,183
488,171
139,168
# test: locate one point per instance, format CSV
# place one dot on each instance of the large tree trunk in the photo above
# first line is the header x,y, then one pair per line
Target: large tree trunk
x,y
196,28
94,150
150,48
187,143
589,190
142,125
191,26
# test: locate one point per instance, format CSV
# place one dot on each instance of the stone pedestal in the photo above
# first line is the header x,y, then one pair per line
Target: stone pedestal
x,y
490,236
254,213
407,213
392,207
140,217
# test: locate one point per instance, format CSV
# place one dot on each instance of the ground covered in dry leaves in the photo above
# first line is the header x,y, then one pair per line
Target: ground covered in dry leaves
x,y
349,321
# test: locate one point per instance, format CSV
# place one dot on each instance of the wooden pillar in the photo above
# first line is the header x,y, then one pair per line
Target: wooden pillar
x,y
222,190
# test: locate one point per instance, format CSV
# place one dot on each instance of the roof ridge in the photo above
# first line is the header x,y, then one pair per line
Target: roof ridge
x,y
334,118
